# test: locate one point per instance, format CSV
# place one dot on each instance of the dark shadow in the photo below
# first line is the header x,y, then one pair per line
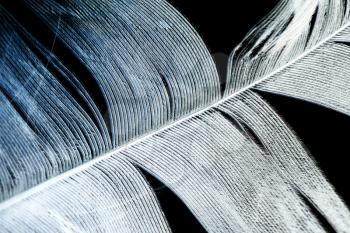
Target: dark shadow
x,y
178,215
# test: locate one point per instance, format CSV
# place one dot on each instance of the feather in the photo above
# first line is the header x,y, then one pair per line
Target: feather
x,y
302,54
70,154
136,85
117,199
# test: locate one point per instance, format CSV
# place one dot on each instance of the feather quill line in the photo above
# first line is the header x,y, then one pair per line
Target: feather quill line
x,y
19,197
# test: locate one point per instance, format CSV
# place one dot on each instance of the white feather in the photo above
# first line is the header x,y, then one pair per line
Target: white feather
x,y
235,163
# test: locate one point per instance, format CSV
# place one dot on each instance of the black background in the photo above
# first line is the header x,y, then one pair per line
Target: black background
x,y
222,24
